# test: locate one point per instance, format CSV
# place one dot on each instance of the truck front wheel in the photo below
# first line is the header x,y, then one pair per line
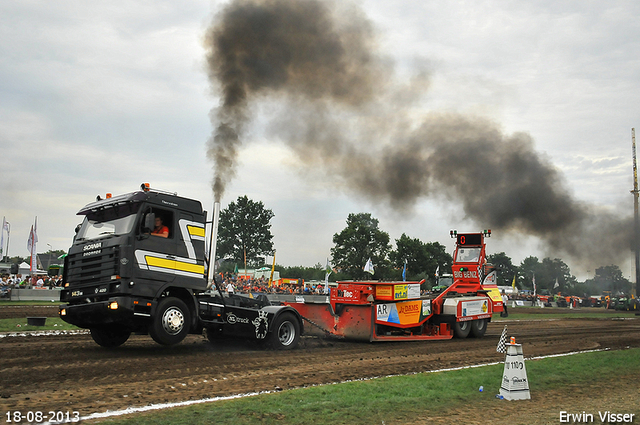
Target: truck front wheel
x,y
110,336
171,322
461,329
285,332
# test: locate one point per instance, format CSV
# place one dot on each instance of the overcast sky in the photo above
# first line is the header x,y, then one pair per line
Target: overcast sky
x,y
101,96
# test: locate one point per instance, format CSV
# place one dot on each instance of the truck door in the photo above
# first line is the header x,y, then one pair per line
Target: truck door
x,y
156,255
190,236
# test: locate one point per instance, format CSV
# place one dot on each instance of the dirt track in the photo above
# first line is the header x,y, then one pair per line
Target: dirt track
x,y
64,373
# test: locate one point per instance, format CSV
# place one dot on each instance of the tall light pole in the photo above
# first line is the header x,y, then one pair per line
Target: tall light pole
x,y
636,221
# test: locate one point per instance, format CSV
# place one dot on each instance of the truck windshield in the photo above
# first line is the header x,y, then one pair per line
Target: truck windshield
x,y
105,223
468,255
445,281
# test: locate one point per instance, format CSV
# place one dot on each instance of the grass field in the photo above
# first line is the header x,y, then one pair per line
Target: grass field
x,y
20,325
400,399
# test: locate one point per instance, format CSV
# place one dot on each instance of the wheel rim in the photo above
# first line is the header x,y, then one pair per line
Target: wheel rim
x,y
173,320
286,333
480,325
464,325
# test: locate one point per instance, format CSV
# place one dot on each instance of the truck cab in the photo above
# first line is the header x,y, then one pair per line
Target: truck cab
x,y
121,277
472,273
118,274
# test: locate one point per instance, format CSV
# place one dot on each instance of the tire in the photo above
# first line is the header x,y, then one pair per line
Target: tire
x,y
171,322
461,329
478,328
110,336
285,332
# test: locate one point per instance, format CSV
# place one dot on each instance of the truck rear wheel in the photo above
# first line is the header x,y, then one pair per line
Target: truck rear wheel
x,y
285,332
171,322
110,336
461,329
478,328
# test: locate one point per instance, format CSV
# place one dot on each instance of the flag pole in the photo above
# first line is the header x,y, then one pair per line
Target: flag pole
x,y
34,256
327,272
273,266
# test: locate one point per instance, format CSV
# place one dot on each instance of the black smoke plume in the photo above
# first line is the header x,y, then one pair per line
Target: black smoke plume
x,y
344,109
282,47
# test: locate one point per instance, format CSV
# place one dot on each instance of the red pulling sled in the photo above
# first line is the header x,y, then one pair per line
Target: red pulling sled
x,y
398,311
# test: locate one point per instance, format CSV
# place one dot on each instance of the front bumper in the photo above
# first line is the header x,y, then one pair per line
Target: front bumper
x,y
115,310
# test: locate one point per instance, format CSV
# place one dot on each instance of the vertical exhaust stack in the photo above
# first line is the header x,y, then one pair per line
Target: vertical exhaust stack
x,y
214,242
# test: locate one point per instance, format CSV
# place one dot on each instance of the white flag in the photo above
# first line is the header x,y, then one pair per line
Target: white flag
x,y
556,285
327,272
30,240
369,266
31,245
327,268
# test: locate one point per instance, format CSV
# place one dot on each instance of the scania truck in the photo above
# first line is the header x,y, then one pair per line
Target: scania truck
x,y
121,278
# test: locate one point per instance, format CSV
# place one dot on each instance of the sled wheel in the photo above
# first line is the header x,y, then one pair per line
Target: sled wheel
x,y
462,329
171,322
110,336
478,328
285,332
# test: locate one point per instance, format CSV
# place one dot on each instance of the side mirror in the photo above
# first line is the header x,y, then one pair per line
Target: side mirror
x,y
149,222
78,227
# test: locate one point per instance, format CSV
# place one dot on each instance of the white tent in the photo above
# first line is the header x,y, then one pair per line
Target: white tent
x,y
25,269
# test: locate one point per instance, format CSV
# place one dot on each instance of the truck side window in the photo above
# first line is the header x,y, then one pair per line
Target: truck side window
x,y
160,229
163,223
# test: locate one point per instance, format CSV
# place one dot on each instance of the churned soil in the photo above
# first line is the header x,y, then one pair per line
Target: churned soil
x,y
72,373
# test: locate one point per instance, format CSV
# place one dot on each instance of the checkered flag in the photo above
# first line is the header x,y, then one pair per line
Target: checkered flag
x,y
502,344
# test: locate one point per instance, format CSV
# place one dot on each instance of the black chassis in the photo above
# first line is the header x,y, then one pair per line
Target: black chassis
x,y
240,316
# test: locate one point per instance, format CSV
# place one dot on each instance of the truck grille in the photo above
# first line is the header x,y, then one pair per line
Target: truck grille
x,y
96,268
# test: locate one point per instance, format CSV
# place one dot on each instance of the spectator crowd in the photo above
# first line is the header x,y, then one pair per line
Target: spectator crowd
x,y
233,283
8,282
